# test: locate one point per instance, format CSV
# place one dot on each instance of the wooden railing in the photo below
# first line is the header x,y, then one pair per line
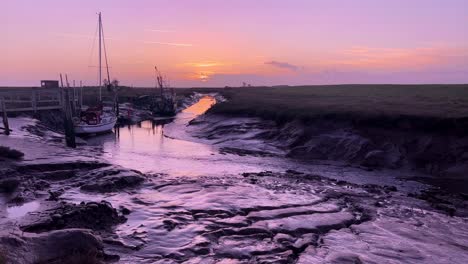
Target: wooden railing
x,y
37,99
31,99
28,100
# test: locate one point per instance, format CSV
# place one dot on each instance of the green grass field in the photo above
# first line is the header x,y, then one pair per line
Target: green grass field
x,y
365,101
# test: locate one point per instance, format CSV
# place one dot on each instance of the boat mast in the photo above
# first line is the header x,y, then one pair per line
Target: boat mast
x,y
100,68
105,53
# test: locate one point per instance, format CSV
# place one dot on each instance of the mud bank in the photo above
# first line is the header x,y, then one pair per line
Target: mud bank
x,y
266,217
38,226
438,148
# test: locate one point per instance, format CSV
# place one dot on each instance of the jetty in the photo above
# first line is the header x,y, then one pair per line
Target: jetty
x,y
45,98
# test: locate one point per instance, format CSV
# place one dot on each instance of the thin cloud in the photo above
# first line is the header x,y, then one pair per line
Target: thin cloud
x,y
402,58
283,65
66,35
203,64
169,44
160,30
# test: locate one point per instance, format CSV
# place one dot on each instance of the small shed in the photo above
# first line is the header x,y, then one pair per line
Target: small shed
x,y
49,84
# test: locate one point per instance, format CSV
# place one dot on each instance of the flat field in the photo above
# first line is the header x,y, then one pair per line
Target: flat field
x,y
364,101
304,102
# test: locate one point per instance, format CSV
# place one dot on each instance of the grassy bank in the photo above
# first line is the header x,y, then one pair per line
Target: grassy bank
x,y
367,103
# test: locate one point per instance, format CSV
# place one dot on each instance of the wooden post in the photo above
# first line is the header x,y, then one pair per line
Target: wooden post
x,y
81,95
117,109
75,98
69,97
5,118
60,98
70,131
116,102
34,100
72,102
67,118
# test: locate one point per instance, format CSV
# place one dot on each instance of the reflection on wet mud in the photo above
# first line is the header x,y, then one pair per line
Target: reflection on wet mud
x,y
148,148
201,106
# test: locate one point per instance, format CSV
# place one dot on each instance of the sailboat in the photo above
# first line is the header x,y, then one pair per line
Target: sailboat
x,y
101,118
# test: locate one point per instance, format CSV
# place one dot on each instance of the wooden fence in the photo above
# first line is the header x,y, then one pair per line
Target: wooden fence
x,y
38,99
31,99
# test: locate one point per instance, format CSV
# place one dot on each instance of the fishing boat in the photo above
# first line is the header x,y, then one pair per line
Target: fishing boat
x,y
164,104
101,118
126,113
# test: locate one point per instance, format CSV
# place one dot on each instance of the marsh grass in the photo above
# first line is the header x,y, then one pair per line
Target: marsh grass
x,y
366,103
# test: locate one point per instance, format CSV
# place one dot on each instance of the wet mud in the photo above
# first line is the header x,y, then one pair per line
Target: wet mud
x,y
265,217
441,155
74,208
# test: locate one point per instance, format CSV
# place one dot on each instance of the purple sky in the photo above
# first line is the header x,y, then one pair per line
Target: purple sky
x,y
218,43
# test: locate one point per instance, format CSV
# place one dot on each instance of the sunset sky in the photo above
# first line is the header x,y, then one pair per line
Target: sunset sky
x,y
223,42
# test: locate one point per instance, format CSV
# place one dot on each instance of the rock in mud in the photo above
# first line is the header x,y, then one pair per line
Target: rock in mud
x,y
92,215
448,203
374,158
58,175
61,246
124,210
18,199
458,171
8,153
54,195
54,167
245,152
294,172
70,245
112,180
9,185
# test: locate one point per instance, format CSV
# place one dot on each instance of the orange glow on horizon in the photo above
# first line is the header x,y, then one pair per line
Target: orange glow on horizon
x,y
223,44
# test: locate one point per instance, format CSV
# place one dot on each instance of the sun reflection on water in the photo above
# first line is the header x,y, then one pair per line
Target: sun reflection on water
x,y
202,106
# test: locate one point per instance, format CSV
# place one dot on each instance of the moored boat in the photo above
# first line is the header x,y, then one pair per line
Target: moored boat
x,y
95,120
100,118
128,114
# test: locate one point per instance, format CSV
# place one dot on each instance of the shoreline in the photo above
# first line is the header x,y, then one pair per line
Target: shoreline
x,y
413,127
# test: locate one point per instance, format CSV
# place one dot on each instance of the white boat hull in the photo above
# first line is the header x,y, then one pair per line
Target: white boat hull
x,y
95,129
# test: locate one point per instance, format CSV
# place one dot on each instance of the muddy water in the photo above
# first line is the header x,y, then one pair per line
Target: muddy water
x,y
157,146
165,146
22,210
